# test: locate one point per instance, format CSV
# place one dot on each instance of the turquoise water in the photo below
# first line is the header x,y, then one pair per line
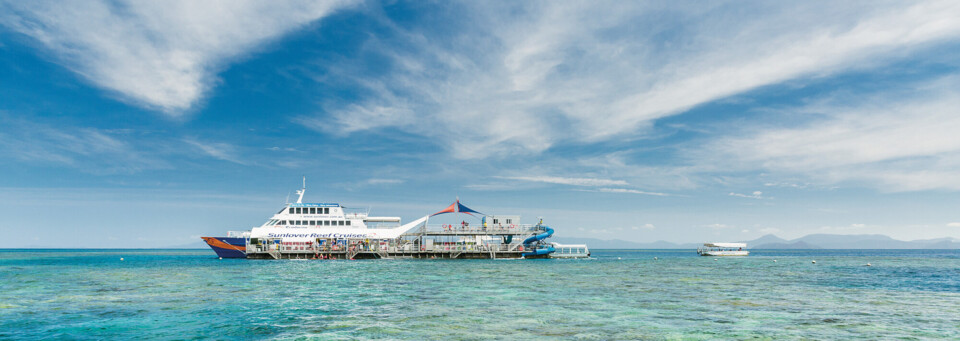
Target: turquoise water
x,y
623,294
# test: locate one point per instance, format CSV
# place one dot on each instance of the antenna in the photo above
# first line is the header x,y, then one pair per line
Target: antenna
x,y
302,190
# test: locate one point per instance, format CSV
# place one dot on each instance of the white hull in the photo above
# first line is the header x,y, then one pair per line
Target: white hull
x,y
724,253
575,255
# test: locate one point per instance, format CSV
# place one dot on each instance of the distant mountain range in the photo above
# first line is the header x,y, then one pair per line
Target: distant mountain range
x,y
813,241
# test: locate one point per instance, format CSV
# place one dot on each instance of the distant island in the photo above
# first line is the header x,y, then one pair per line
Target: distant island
x,y
813,241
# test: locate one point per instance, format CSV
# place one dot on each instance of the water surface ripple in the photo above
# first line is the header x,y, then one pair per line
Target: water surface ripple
x,y
620,294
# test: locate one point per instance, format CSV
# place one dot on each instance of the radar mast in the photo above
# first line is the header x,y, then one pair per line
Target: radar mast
x,y
302,190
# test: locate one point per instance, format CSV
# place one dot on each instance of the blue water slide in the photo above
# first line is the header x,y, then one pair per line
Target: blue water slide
x,y
541,251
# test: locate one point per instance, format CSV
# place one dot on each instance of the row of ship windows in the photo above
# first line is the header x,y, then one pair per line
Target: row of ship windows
x,y
309,222
309,210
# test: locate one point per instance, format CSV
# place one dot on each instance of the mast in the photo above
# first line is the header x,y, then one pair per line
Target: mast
x,y
302,190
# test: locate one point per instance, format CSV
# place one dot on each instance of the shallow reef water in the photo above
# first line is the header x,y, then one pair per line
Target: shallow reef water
x,y
616,295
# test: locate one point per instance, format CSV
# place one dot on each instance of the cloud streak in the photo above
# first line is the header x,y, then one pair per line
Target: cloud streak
x,y
92,150
754,195
161,55
895,141
631,191
567,181
578,72
217,150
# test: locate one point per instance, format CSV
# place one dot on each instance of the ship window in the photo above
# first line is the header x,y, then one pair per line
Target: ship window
x,y
495,221
340,223
326,210
326,223
508,221
313,210
348,223
291,210
313,222
299,210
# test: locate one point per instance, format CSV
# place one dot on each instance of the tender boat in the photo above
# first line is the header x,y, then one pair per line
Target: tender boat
x,y
723,249
570,251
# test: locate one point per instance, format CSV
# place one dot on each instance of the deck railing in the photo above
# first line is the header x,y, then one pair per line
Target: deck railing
x,y
382,249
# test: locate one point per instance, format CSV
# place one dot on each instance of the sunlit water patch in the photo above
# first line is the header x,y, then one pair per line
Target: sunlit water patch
x,y
620,294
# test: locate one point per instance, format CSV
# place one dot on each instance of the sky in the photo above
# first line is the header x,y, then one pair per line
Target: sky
x,y
150,124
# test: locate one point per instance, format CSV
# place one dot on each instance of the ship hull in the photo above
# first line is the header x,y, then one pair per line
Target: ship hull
x,y
227,247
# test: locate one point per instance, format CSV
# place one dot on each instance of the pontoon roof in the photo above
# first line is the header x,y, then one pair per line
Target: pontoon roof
x,y
725,244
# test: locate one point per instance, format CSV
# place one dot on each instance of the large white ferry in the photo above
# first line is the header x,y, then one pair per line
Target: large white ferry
x,y
331,231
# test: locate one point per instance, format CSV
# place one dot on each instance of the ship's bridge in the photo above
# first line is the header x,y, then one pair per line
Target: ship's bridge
x,y
324,214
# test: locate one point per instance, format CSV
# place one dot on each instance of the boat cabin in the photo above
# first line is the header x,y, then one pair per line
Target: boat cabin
x,y
723,249
570,251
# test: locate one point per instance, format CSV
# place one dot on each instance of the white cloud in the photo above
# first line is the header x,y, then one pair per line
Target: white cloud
x,y
631,191
754,195
717,226
217,150
953,224
902,141
769,230
568,181
525,77
645,227
92,150
159,54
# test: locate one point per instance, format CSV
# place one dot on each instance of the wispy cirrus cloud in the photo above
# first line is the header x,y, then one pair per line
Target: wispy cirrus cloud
x,y
896,141
754,195
631,191
92,150
218,150
161,55
579,72
567,181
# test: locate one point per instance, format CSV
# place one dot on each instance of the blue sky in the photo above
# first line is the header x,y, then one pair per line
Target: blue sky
x,y
142,124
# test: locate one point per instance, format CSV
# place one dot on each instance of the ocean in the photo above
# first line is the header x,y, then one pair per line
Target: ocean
x,y
617,295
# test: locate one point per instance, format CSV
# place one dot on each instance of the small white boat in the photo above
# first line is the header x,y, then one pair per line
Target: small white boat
x,y
570,251
723,249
